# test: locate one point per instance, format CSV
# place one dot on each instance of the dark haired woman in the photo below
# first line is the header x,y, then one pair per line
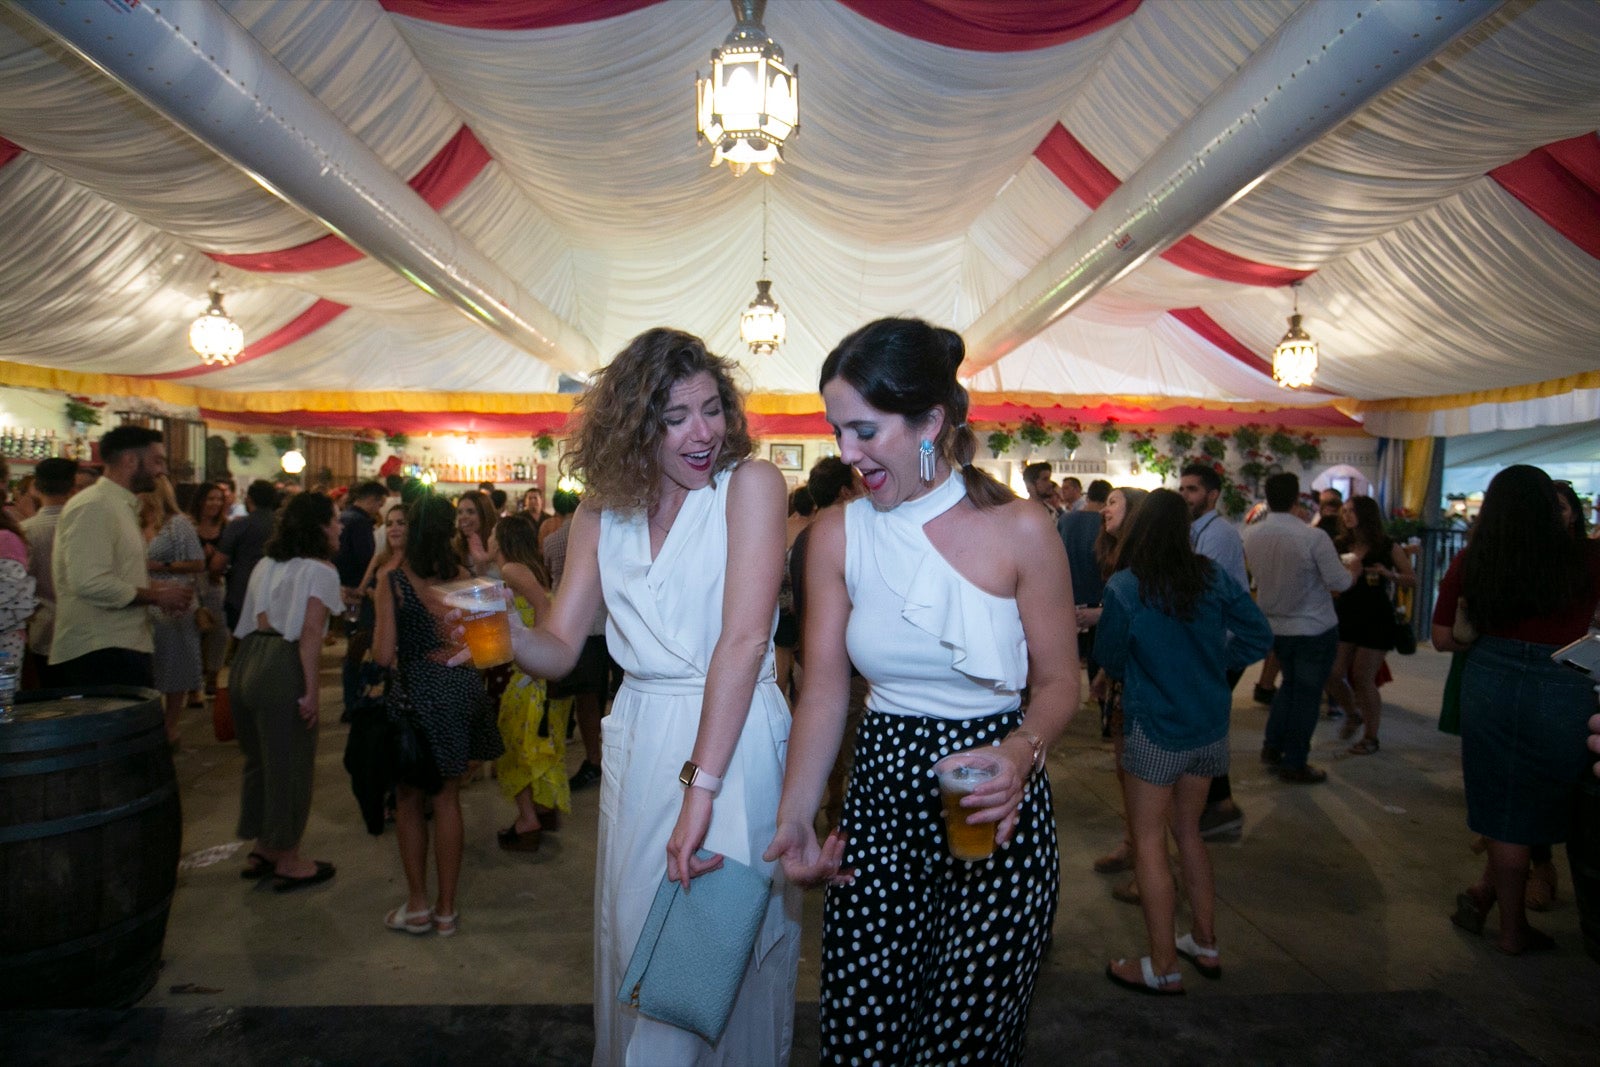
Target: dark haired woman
x,y
1529,587
533,725
950,596
1366,619
1173,625
274,683
475,519
446,705
682,534
209,512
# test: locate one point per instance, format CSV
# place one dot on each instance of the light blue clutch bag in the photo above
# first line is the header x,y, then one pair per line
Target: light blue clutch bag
x,y
691,954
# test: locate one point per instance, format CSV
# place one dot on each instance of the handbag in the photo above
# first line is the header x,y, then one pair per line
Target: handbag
x,y
693,950
411,760
366,758
1405,638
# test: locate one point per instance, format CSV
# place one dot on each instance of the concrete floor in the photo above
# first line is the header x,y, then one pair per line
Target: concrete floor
x,y
1331,891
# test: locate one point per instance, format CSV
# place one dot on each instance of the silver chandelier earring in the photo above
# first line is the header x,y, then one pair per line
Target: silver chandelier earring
x,y
925,461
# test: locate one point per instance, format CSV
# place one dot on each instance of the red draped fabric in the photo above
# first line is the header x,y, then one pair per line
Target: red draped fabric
x,y
8,151
312,318
1561,184
513,14
1090,181
450,170
985,26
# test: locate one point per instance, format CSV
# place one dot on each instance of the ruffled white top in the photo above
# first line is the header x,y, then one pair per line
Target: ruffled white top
x,y
928,640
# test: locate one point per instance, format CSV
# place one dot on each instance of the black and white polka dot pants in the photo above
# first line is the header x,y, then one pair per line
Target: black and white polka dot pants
x,y
928,959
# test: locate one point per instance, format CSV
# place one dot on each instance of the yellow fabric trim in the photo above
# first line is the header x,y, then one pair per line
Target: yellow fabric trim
x,y
1416,465
234,408
27,376
1508,395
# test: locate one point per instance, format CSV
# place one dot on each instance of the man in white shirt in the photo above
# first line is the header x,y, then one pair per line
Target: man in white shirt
x,y
1216,539
53,480
1296,568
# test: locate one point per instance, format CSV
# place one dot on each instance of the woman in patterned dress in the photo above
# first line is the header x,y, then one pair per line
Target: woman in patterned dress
x,y
950,596
174,555
446,706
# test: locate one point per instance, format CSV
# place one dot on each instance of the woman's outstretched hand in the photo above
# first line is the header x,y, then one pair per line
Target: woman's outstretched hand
x,y
805,862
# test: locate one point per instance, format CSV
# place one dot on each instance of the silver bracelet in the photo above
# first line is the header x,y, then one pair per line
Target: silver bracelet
x,y
1032,738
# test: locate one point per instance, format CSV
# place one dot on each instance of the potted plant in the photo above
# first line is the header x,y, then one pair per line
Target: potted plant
x,y
1403,525
1234,500
1308,450
1109,433
1071,437
244,448
1033,432
544,444
1000,441
1248,437
396,441
1281,443
1163,464
1214,445
83,412
282,442
1183,438
1144,448
365,448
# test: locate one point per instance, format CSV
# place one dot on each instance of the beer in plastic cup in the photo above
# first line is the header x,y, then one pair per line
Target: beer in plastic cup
x,y
960,774
482,604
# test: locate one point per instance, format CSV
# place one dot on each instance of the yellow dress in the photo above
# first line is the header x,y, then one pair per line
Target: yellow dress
x,y
534,729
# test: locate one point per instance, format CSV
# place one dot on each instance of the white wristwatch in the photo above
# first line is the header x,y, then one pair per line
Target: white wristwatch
x,y
693,777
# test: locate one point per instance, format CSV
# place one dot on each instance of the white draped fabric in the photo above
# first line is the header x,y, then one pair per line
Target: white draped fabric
x,y
911,188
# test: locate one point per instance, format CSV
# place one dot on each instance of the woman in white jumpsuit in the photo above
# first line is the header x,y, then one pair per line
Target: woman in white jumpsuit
x,y
682,534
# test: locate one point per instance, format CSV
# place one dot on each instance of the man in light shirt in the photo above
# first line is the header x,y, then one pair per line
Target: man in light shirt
x,y
53,481
1215,538
102,633
1296,568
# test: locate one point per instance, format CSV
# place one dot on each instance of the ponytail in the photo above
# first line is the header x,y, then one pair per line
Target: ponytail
x,y
961,445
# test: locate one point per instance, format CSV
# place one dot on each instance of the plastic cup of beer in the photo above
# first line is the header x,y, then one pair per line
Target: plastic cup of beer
x,y
959,775
482,604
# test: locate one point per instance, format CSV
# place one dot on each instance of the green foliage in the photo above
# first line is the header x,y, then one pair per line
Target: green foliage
x,y
81,409
244,448
1000,441
1033,432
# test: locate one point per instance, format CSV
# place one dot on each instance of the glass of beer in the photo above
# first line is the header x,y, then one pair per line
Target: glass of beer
x,y
959,774
482,604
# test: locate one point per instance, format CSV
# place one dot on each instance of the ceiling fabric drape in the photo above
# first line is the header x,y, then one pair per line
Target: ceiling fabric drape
x,y
946,147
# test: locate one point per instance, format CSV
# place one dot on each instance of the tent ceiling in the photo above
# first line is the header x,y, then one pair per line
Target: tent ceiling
x,y
917,184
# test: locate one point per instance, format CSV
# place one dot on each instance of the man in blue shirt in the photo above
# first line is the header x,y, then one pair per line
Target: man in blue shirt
x,y
1215,538
1078,530
356,546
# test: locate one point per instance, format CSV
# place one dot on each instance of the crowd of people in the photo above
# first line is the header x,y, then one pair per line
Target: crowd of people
x,y
785,669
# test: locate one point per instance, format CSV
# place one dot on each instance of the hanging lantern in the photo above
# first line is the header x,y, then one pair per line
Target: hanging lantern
x,y
750,104
215,337
1294,361
761,325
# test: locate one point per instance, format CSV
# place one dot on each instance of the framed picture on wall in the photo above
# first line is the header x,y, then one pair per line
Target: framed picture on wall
x,y
785,457
826,449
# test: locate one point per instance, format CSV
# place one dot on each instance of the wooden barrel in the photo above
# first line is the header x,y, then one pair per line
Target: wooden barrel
x,y
89,835
1583,847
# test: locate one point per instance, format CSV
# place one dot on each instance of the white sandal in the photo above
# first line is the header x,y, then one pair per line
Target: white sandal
x,y
444,925
1206,960
409,922
1165,985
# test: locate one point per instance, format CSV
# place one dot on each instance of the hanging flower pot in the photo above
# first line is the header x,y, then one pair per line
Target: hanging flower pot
x,y
544,444
1000,442
1109,433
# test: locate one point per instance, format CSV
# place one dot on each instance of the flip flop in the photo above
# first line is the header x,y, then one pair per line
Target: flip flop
x,y
410,922
286,883
1155,984
1205,960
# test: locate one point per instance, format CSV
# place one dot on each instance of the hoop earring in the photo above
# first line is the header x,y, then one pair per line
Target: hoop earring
x,y
925,461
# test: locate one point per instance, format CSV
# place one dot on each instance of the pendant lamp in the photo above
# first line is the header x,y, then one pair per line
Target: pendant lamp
x,y
1294,361
750,104
215,337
